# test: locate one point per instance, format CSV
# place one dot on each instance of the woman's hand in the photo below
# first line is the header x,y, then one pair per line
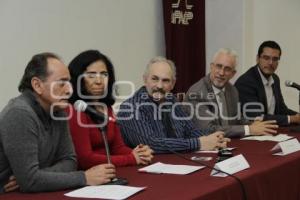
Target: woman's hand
x,y
143,154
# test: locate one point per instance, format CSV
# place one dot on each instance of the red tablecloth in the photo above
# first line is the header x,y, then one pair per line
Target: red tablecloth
x,y
269,177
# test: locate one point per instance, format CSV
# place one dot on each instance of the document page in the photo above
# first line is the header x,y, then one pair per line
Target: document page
x,y
105,192
276,138
160,168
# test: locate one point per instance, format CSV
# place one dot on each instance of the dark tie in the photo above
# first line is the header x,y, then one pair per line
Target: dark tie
x,y
223,108
166,120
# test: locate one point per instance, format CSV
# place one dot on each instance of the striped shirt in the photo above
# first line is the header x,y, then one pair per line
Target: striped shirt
x,y
140,121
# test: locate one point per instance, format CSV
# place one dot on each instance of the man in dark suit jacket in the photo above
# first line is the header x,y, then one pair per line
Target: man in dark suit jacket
x,y
208,106
261,86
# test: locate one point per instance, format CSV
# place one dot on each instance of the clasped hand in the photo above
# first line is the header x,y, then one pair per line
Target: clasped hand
x,y
143,154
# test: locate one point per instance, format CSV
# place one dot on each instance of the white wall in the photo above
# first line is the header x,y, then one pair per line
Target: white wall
x,y
130,32
244,24
278,20
224,28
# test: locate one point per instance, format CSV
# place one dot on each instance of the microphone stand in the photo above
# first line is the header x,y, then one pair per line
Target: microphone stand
x,y
115,181
102,130
296,128
299,101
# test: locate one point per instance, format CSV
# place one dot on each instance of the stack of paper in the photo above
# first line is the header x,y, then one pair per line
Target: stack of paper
x,y
160,168
105,192
276,138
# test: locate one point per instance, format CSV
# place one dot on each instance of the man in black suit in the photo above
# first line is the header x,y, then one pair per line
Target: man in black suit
x,y
259,88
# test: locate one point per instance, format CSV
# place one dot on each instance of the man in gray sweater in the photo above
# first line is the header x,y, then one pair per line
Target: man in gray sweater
x,y
36,151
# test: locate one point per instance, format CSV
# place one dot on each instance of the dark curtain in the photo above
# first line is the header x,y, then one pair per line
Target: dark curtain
x,y
184,22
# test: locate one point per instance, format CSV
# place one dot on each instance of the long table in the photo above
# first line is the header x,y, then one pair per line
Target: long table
x,y
268,178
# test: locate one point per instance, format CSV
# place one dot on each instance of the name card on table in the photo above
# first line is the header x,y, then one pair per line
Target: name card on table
x,y
231,166
286,147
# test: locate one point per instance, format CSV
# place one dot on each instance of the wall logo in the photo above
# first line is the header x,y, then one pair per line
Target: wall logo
x,y
181,16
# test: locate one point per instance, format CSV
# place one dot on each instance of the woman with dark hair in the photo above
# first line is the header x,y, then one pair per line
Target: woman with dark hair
x,y
92,78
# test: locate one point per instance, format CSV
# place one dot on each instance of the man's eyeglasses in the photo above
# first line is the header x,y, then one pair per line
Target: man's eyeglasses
x,y
268,58
227,69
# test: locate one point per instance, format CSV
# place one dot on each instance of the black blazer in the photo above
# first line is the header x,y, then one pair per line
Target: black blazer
x,y
251,89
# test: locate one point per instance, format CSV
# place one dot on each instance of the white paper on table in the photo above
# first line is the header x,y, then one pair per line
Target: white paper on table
x,y
230,165
161,168
105,192
276,138
215,151
286,147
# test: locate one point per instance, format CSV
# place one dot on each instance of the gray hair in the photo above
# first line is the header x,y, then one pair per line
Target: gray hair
x,y
229,52
158,59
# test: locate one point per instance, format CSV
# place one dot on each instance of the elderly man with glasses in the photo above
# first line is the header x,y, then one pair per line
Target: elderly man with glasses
x,y
214,101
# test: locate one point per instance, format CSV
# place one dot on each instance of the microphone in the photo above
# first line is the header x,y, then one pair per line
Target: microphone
x,y
292,84
100,117
82,106
180,155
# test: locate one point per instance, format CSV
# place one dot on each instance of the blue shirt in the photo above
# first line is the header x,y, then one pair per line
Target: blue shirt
x,y
140,122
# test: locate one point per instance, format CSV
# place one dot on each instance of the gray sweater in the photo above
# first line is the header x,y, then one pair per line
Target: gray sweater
x,y
36,149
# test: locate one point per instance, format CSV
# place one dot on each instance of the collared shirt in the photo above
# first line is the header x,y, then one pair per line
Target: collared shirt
x,y
271,102
269,92
216,92
140,121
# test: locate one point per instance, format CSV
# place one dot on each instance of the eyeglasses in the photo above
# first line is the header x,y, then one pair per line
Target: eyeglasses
x,y
268,58
95,75
226,69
